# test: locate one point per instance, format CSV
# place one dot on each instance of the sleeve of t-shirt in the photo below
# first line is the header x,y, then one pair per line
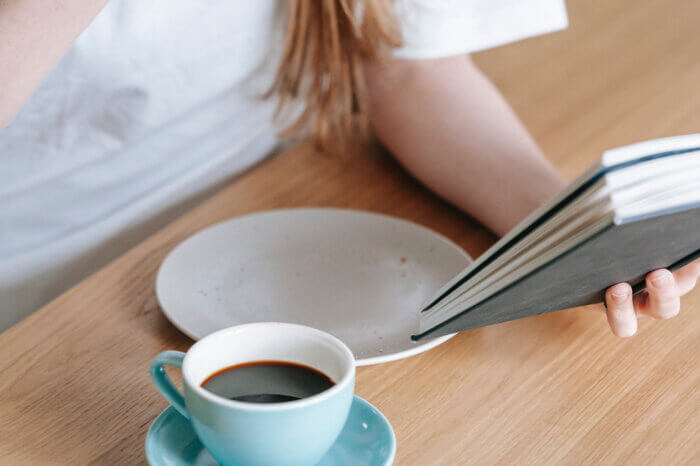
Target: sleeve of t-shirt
x,y
441,28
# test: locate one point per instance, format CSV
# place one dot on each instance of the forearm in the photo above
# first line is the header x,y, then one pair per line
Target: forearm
x,y
449,126
34,35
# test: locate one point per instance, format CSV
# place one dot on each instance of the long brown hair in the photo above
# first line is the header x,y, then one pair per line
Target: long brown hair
x,y
326,42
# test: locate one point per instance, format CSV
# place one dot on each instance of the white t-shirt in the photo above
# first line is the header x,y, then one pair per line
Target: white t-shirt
x,y
158,102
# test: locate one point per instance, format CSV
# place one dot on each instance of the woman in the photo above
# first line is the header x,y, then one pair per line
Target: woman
x,y
110,136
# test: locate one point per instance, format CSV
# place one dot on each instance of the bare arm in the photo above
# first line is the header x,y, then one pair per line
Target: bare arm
x,y
450,127
34,35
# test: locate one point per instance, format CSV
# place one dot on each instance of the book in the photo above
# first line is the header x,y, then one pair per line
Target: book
x,y
635,211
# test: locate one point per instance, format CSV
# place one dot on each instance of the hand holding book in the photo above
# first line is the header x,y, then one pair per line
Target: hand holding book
x,y
660,300
627,219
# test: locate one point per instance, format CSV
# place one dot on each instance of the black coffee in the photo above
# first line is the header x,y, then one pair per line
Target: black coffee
x,y
267,382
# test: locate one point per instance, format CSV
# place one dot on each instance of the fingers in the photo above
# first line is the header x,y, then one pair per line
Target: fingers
x,y
620,310
687,276
662,299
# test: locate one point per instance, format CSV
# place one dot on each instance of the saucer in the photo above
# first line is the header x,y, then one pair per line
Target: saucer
x,y
361,277
366,440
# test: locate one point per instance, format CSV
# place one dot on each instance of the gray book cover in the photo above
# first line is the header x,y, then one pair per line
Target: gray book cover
x,y
625,251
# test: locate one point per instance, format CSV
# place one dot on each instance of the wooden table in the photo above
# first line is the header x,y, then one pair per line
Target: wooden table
x,y
553,388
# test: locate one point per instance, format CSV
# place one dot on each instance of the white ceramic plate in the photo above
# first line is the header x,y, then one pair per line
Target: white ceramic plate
x,y
359,276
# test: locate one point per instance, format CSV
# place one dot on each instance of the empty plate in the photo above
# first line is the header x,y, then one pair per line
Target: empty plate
x,y
357,275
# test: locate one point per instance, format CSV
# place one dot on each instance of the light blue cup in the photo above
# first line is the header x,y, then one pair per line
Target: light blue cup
x,y
294,433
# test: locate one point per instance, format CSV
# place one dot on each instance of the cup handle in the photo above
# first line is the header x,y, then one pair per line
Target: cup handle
x,y
163,382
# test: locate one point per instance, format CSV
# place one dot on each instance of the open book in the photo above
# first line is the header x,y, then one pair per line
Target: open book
x,y
637,210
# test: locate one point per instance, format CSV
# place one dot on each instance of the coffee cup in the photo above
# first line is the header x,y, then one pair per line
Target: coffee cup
x,y
292,433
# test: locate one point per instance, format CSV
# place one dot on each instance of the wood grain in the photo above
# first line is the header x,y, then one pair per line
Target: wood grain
x,y
556,388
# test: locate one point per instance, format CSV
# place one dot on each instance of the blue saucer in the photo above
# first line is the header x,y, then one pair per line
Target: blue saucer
x,y
367,439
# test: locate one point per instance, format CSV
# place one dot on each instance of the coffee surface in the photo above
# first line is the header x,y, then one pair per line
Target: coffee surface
x,y
267,382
